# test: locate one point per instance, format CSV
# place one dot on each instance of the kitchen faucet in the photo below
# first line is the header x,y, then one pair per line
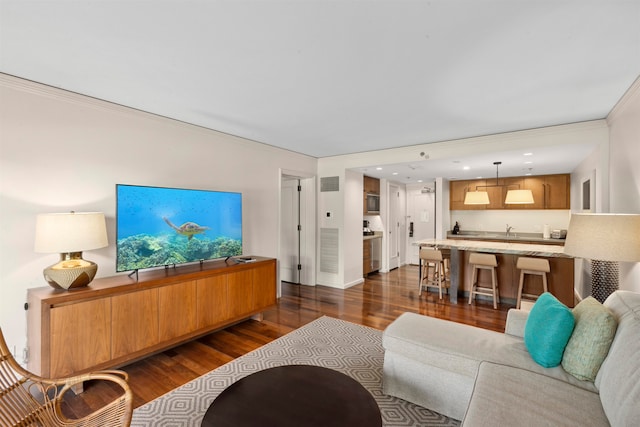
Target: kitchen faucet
x,y
509,230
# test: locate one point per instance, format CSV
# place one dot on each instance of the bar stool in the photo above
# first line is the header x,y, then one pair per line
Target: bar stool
x,y
432,259
534,266
484,262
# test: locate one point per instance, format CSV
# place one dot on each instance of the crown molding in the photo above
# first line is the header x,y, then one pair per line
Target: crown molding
x,y
86,101
631,93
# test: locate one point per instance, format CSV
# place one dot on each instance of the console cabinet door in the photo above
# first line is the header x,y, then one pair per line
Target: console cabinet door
x,y
212,303
134,321
264,289
176,310
80,336
240,288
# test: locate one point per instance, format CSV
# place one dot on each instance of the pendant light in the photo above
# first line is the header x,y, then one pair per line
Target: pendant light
x,y
514,197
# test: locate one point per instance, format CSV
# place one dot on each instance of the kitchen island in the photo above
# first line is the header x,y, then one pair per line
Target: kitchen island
x,y
560,279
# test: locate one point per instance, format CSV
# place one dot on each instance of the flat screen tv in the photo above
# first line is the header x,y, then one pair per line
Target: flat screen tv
x,y
158,226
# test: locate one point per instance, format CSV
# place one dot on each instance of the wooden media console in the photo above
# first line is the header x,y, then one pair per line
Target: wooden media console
x,y
117,320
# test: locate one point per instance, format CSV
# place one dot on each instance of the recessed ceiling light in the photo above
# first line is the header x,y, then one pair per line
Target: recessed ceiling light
x,y
378,168
395,173
419,180
466,168
528,162
528,154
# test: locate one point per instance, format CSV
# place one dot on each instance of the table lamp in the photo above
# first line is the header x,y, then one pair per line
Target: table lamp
x,y
69,234
605,239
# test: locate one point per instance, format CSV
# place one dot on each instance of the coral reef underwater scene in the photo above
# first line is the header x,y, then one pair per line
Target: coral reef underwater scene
x,y
146,251
159,226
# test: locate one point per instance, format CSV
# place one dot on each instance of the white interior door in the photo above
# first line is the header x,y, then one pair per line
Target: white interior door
x,y
421,209
394,227
289,230
297,248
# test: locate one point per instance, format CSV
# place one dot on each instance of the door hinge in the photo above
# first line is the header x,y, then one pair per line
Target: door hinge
x,y
299,187
299,227
299,266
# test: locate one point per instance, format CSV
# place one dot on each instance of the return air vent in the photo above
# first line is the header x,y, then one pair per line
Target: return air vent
x,y
329,250
330,183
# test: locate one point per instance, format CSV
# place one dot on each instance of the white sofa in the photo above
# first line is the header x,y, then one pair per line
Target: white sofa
x,y
487,378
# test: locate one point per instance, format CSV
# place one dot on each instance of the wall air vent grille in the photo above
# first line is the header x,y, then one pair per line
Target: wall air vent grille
x,y
330,183
329,250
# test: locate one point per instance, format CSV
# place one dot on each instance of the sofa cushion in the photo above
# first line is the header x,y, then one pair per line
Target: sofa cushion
x,y
590,341
459,348
548,329
508,396
617,379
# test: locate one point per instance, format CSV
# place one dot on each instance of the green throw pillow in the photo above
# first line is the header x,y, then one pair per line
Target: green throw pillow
x,y
548,329
589,344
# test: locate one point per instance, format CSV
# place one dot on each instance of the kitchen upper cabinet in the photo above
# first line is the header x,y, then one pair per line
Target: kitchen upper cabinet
x,y
458,190
536,185
549,192
557,191
371,185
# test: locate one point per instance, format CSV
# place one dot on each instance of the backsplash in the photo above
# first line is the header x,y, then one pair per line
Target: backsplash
x,y
532,221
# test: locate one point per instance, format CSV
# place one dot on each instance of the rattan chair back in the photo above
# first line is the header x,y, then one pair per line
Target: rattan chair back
x,y
29,400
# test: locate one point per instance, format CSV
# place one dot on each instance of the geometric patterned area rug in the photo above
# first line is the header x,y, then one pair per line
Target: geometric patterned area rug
x,y
352,349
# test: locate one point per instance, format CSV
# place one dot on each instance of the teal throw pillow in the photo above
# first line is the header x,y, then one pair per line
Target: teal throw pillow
x,y
548,329
589,344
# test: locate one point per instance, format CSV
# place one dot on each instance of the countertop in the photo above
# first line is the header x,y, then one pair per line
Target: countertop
x,y
377,235
513,237
497,247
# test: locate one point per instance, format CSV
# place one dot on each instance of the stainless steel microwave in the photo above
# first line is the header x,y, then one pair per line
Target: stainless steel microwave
x,y
373,203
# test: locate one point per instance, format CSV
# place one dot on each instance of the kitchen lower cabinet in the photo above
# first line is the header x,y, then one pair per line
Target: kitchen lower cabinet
x,y
371,255
117,320
559,281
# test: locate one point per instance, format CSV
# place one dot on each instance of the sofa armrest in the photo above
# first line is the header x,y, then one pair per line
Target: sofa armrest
x,y
516,320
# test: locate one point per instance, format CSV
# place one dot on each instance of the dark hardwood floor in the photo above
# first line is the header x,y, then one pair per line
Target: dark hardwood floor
x,y
375,303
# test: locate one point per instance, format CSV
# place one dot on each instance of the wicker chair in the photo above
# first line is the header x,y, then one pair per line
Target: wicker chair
x,y
29,400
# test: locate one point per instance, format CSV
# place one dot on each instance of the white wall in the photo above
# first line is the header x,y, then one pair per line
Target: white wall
x,y
596,169
624,178
61,151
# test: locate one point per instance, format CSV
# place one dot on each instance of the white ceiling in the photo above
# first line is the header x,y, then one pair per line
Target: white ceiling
x,y
326,78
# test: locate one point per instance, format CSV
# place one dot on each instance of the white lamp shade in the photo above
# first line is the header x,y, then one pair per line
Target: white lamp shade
x,y
70,232
519,197
604,237
476,198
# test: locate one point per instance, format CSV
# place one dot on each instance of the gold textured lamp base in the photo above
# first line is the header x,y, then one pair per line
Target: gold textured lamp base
x,y
71,272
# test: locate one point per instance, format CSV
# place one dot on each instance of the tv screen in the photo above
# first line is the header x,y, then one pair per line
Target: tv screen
x,y
157,226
